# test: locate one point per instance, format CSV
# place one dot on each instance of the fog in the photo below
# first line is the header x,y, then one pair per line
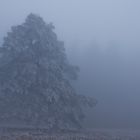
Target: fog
x,y
102,38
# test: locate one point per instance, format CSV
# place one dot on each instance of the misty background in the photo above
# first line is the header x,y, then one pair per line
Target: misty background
x,y
102,37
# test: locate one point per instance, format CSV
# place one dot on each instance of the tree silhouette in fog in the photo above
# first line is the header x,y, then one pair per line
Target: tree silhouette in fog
x,y
35,77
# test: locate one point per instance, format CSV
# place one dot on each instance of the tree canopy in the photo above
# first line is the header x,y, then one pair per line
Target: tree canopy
x,y
35,79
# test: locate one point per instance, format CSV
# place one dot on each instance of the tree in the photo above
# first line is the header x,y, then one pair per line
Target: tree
x,y
35,79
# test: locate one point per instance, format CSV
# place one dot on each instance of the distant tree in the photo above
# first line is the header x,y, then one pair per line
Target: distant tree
x,y
35,77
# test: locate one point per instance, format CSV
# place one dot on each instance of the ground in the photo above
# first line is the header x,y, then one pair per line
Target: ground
x,y
96,134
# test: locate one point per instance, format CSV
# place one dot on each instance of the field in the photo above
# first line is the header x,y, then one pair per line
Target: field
x,y
9,134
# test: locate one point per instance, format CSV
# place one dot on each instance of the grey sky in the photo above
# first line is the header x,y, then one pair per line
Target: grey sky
x,y
84,20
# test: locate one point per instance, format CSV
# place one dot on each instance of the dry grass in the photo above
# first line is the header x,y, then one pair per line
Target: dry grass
x,y
92,135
